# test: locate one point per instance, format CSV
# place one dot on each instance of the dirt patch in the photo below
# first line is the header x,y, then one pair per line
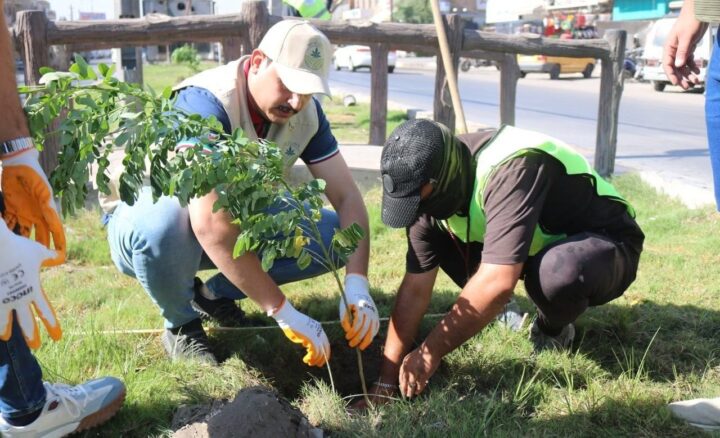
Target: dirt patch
x,y
255,411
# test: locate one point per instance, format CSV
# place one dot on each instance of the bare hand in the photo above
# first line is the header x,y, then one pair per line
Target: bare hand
x,y
678,61
416,370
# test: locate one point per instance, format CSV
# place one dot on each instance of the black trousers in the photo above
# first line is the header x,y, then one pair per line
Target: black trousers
x,y
565,278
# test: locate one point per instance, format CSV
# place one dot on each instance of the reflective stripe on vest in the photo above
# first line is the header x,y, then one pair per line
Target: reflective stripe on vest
x,y
509,143
310,8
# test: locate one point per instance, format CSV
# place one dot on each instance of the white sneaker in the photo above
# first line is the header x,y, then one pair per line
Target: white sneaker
x,y
702,412
71,409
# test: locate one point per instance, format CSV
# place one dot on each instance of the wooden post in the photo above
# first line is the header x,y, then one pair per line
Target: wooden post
x,y
231,49
509,74
611,88
255,15
379,93
443,111
32,30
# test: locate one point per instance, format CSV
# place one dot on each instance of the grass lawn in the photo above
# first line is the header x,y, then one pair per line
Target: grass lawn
x,y
659,342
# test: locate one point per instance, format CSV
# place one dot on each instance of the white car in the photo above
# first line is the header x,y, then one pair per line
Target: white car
x,y
355,57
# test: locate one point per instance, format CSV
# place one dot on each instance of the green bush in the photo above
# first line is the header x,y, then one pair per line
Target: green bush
x,y
186,55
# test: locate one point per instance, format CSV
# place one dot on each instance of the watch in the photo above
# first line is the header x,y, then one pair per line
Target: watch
x,y
17,145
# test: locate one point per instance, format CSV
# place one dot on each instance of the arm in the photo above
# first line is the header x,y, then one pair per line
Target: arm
x,y
678,61
411,304
217,235
480,301
344,196
14,124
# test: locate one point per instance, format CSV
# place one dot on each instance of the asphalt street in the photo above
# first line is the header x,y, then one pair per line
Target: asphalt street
x,y
661,135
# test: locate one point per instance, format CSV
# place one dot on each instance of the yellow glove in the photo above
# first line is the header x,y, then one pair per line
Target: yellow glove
x,y
365,317
29,203
301,329
20,289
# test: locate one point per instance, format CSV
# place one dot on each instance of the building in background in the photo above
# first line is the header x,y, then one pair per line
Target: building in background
x,y
178,8
12,7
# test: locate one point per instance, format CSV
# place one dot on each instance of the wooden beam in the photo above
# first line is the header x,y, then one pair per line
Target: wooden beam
x,y
611,88
509,75
379,93
532,44
32,32
443,110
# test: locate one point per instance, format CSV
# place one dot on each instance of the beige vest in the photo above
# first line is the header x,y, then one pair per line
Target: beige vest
x,y
227,83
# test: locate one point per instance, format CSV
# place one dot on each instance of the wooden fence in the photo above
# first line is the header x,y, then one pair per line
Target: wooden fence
x,y
239,33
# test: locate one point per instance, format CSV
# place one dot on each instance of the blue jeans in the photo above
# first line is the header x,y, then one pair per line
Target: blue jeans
x,y
154,243
712,116
21,387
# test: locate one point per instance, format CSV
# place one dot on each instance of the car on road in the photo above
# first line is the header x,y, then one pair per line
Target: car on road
x,y
354,57
555,65
653,51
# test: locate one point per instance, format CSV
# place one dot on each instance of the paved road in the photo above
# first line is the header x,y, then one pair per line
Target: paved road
x,y
660,134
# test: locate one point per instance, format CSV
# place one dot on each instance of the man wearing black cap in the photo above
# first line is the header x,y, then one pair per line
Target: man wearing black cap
x,y
489,209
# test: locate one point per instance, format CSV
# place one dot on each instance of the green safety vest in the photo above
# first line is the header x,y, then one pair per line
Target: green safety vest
x,y
509,143
310,8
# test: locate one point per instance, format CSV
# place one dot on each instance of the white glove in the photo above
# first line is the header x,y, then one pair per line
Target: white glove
x,y
301,329
365,318
20,289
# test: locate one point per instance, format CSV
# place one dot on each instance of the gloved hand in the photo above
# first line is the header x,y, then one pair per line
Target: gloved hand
x,y
29,202
301,329
20,289
365,318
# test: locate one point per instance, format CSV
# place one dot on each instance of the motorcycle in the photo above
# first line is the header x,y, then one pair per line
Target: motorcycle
x,y
466,63
632,65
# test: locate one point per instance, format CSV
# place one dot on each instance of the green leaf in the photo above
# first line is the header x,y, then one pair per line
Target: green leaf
x,y
304,260
268,259
167,92
82,67
103,69
45,70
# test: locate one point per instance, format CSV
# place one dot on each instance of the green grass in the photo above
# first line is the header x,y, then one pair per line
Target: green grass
x,y
160,75
657,343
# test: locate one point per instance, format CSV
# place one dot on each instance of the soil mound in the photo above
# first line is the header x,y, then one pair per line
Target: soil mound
x,y
256,411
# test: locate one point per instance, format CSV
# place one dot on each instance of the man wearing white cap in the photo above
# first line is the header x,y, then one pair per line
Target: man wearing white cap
x,y
267,94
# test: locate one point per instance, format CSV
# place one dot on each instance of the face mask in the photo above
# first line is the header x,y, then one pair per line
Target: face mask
x,y
453,184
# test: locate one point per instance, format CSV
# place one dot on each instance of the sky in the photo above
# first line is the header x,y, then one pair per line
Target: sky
x,y
63,7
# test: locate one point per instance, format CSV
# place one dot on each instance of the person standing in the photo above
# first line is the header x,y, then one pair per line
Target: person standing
x,y
695,18
30,407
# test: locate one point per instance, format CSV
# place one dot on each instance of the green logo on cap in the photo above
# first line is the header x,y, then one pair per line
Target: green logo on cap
x,y
314,57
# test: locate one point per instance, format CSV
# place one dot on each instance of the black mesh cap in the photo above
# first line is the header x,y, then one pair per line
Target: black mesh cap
x,y
411,156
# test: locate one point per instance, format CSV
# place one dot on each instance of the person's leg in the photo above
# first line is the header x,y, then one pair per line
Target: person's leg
x,y
712,116
583,270
154,243
22,395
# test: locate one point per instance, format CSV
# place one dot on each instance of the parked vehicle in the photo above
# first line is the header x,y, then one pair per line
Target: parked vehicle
x,y
632,65
354,57
555,65
466,63
653,52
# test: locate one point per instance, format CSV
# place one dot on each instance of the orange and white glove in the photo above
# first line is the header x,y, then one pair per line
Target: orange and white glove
x,y
365,318
20,289
301,329
29,202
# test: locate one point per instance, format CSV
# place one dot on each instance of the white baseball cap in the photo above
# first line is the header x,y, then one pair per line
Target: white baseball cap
x,y
301,55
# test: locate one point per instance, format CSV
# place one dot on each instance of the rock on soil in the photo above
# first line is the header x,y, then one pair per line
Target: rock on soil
x,y
256,412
